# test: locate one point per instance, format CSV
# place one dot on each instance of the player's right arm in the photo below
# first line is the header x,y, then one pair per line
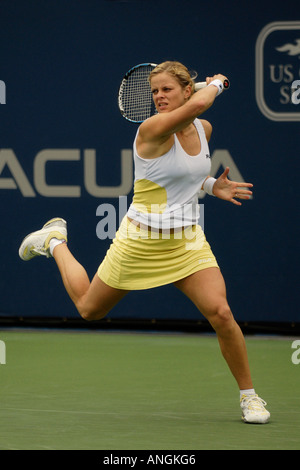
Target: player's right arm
x,y
158,129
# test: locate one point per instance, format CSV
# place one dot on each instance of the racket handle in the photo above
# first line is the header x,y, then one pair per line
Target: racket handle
x,y
200,85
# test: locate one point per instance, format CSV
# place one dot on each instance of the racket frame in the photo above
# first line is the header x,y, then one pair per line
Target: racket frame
x,y
124,83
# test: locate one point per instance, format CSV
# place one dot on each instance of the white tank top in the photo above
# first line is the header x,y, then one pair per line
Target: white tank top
x,y
166,188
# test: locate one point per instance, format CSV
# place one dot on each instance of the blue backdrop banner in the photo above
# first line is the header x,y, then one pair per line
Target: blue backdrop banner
x,y
66,151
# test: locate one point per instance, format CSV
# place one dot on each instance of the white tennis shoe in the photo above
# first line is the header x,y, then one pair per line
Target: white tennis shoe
x,y
253,409
37,243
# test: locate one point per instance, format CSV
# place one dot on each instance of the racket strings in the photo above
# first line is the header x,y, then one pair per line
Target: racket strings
x,y
136,95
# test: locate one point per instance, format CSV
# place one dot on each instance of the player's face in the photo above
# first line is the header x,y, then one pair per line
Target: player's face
x,y
167,93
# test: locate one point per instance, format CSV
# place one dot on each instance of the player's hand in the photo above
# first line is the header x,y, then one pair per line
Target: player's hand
x,y
231,190
219,76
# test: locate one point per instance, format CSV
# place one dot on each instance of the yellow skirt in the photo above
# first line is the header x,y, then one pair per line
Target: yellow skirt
x,y
139,259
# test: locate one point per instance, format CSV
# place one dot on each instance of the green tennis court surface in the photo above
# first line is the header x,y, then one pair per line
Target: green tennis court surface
x,y
129,391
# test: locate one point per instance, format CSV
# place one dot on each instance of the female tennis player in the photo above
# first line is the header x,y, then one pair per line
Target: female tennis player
x,y
159,241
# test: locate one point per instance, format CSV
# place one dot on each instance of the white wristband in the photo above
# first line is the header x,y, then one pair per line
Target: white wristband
x,y
208,185
217,83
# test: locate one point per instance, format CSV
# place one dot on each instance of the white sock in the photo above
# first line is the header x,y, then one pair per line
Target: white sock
x,y
53,243
248,392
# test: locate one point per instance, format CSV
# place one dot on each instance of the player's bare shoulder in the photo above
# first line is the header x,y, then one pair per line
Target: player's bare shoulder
x,y
207,128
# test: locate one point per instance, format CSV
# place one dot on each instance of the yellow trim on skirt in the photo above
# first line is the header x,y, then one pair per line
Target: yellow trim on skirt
x,y
139,259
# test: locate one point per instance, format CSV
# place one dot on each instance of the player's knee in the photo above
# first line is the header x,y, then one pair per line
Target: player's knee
x,y
91,313
222,318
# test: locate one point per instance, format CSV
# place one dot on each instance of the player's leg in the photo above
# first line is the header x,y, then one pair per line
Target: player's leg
x,y
93,300
207,291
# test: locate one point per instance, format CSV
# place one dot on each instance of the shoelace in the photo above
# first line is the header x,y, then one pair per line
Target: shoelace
x,y
254,403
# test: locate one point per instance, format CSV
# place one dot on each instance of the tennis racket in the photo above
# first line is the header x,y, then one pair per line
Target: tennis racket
x,y
135,97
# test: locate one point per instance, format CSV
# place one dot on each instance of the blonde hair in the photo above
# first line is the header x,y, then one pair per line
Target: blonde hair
x,y
177,70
